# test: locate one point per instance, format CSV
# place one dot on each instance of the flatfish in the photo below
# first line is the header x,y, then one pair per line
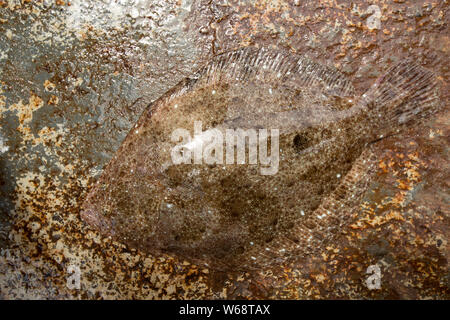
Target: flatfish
x,y
232,168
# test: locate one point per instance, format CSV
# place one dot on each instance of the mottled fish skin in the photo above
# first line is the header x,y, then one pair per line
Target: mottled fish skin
x,y
230,217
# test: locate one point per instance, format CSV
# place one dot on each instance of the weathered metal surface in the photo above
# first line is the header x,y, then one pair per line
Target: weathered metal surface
x,y
76,75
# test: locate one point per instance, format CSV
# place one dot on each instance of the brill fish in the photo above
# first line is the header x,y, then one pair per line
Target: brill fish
x,y
248,214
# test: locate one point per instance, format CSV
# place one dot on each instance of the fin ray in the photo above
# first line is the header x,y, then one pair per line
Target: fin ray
x,y
406,91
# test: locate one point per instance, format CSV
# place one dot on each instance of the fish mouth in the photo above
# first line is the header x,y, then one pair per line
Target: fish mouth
x,y
94,218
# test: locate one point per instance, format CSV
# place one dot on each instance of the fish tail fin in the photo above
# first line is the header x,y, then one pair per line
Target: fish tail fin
x,y
406,92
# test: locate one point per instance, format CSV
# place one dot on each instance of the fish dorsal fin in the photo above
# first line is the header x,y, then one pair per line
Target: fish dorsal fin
x,y
252,63
247,62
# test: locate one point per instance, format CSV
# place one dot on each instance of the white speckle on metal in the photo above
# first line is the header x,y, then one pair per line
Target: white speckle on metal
x,y
3,148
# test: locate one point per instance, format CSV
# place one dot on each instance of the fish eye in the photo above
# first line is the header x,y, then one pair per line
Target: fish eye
x,y
300,142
